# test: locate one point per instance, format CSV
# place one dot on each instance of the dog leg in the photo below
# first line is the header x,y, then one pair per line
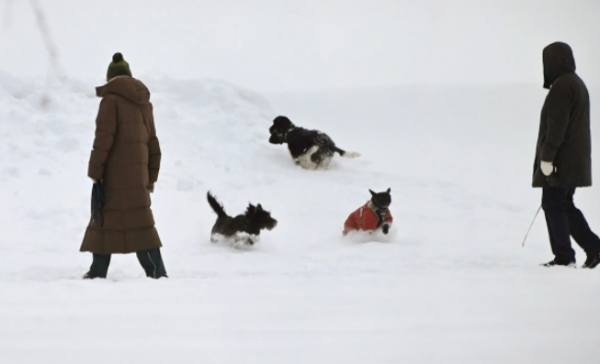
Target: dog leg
x,y
386,228
305,160
325,163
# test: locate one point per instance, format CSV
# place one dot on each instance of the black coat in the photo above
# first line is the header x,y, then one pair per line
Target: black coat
x,y
564,136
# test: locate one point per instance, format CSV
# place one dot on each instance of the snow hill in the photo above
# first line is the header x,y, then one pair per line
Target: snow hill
x,y
451,284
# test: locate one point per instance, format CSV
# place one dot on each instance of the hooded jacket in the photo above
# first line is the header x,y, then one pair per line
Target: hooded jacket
x,y
126,157
564,136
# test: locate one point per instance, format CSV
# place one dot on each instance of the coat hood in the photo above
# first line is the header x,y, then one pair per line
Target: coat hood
x,y
127,87
558,59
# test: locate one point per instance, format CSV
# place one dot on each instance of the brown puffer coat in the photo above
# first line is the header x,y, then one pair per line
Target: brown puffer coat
x,y
126,157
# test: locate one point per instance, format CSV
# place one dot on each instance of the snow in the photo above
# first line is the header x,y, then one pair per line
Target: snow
x,y
451,284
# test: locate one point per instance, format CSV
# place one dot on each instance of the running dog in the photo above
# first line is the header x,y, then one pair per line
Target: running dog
x,y
310,149
244,227
373,216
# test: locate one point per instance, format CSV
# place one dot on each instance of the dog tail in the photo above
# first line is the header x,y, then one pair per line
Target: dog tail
x,y
345,154
216,206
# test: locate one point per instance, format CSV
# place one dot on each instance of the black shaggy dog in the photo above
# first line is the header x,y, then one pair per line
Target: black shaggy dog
x,y
310,149
251,222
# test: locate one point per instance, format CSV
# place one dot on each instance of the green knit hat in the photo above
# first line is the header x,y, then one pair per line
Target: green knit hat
x,y
118,67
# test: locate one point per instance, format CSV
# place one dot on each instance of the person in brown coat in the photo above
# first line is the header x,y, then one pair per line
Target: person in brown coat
x,y
124,165
563,160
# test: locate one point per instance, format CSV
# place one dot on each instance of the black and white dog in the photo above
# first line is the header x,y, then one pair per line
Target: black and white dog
x,y
310,149
244,227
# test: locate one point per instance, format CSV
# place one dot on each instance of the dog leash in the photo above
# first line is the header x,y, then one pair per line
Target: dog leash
x,y
535,217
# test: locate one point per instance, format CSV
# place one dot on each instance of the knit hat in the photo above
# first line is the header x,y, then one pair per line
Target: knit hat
x,y
118,67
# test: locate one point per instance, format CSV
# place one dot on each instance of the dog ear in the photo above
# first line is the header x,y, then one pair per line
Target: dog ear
x,y
389,190
372,193
275,139
259,207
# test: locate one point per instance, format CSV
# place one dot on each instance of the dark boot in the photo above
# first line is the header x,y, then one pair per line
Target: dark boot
x,y
152,262
555,262
99,267
592,261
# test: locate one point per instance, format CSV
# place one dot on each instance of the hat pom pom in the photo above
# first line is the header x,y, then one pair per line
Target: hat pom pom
x,y
117,57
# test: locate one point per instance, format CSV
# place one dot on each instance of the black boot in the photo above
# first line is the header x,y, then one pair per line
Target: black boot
x,y
556,262
593,259
152,262
99,267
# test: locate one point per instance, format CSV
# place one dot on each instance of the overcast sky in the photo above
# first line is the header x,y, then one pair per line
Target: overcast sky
x,y
270,45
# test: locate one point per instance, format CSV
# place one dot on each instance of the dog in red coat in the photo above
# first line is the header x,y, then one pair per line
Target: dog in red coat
x,y
373,216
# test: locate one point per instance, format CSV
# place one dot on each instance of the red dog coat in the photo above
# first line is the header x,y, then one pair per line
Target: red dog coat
x,y
365,218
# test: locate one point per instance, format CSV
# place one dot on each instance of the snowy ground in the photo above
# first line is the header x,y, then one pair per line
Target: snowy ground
x,y
451,285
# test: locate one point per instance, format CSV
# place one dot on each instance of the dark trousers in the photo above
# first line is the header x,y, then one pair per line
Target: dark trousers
x,y
564,221
151,261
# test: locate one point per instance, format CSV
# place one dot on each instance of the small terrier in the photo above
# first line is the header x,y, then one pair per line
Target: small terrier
x,y
251,222
372,216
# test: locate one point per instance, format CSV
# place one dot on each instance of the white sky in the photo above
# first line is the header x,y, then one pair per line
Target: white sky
x,y
270,45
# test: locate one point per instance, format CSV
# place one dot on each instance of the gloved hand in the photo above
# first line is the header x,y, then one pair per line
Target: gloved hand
x,y
386,228
151,187
547,168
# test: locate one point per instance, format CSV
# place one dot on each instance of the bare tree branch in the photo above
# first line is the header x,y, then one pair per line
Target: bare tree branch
x,y
55,68
46,36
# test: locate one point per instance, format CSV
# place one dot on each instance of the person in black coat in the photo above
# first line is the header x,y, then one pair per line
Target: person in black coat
x,y
563,160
